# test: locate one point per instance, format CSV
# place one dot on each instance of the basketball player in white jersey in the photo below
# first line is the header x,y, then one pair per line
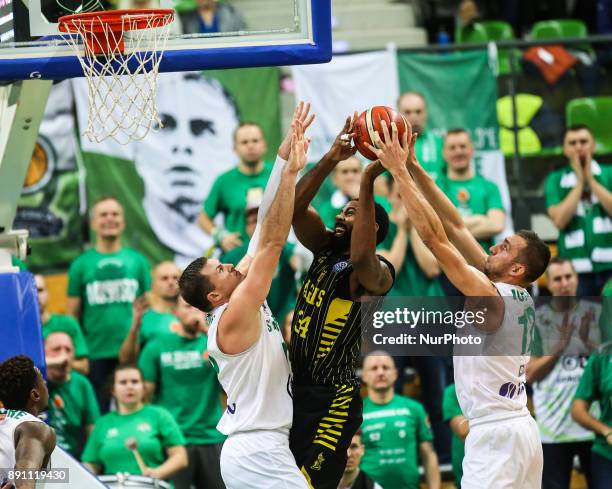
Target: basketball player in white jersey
x,y
503,448
26,442
246,347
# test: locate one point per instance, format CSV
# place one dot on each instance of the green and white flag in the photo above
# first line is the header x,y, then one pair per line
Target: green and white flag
x,y
460,89
163,180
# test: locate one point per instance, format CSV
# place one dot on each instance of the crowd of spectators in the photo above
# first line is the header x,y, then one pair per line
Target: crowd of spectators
x,y
128,364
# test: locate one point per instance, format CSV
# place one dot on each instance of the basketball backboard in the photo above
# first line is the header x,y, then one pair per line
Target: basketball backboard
x,y
298,32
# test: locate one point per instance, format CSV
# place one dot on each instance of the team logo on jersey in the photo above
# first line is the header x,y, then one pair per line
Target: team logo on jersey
x,y
463,196
205,355
341,265
231,408
144,427
58,402
318,462
112,433
570,362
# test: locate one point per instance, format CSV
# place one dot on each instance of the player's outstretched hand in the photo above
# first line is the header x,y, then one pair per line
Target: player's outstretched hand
x,y
299,148
342,148
374,169
392,154
300,114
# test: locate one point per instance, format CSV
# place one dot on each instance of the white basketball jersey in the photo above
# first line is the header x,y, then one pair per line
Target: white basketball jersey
x,y
257,381
9,420
495,385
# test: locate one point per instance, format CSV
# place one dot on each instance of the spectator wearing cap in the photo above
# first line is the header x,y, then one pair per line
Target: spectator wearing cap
x,y
52,323
73,408
232,190
282,291
579,202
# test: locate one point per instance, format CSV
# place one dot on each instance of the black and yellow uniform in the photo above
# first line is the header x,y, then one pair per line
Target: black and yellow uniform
x,y
324,350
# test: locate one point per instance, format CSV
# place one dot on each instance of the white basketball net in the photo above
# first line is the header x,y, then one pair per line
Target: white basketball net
x,y
122,86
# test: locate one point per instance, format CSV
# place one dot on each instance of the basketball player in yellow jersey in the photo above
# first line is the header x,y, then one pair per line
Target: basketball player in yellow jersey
x,y
503,448
326,330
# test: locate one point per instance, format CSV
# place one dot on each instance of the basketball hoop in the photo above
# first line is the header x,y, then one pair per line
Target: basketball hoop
x,y
120,52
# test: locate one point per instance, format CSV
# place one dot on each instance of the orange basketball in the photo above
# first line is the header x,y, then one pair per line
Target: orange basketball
x,y
369,122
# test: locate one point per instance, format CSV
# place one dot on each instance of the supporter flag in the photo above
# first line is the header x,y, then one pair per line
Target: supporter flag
x,y
163,180
50,206
460,89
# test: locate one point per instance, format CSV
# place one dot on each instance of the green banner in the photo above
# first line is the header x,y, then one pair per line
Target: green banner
x,y
460,89
163,180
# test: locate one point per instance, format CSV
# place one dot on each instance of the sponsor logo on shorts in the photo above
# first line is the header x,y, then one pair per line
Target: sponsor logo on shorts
x,y
338,267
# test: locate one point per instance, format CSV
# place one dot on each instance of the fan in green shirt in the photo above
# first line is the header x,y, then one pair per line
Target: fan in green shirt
x,y
452,414
73,408
477,199
396,431
150,429
283,291
413,107
176,369
104,281
596,385
156,317
52,323
578,200
236,189
346,179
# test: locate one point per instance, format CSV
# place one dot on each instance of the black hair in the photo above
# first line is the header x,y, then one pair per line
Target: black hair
x,y
535,256
577,127
382,219
125,366
195,287
18,377
560,260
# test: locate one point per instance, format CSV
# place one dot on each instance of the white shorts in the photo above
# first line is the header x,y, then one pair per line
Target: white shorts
x,y
503,454
260,460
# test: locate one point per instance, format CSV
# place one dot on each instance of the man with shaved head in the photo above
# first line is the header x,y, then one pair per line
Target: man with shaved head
x,y
157,317
413,106
395,429
73,409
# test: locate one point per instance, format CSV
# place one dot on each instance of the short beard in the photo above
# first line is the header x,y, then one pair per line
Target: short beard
x,y
341,243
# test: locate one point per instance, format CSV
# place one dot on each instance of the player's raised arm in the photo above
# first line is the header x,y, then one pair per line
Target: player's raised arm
x,y
34,443
393,156
239,324
307,223
454,226
303,116
373,275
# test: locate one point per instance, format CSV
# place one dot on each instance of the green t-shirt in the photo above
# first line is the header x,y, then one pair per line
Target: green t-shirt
x,y
410,281
282,291
596,385
156,324
450,409
186,385
471,197
107,284
153,427
428,150
607,290
72,406
587,238
70,326
392,434
231,192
